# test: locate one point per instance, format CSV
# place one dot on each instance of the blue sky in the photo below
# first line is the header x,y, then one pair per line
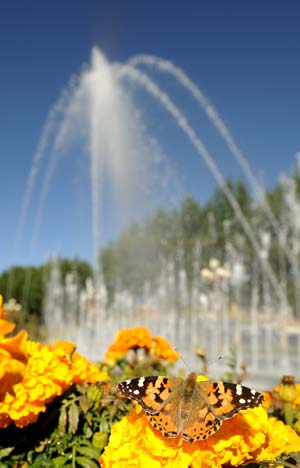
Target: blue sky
x,y
243,55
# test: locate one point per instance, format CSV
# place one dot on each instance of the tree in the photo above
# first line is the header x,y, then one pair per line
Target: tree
x,y
27,284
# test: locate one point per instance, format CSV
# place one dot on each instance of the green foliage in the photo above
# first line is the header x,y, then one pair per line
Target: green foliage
x,y
75,428
27,285
82,268
223,210
285,460
72,433
18,281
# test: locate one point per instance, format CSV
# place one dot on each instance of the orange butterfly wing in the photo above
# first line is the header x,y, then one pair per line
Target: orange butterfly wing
x,y
166,420
152,392
212,403
195,409
159,397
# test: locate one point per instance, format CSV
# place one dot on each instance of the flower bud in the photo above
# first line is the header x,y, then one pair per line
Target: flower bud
x,y
94,392
287,389
200,352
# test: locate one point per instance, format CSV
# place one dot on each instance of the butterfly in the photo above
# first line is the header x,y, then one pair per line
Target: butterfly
x,y
193,409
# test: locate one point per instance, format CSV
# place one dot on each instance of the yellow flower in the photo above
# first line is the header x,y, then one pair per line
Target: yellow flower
x,y
11,372
13,354
84,371
2,311
67,346
296,402
248,436
281,438
5,326
287,389
15,347
268,400
126,339
32,375
162,348
48,373
139,337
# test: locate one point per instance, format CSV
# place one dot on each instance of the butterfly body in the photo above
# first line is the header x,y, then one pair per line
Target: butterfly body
x,y
195,410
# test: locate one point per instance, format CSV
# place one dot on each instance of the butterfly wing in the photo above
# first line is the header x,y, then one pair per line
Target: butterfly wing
x,y
152,392
201,424
209,402
212,403
166,420
227,399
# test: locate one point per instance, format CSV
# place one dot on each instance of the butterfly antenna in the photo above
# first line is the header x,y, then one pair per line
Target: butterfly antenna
x,y
182,359
205,362
216,360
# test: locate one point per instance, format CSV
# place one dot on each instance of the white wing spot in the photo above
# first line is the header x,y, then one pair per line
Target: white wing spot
x,y
253,392
136,392
242,401
141,382
239,390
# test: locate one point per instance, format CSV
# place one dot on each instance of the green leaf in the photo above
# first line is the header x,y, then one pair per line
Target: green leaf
x,y
86,463
73,414
91,452
62,422
84,403
5,452
104,426
88,433
43,463
3,464
100,440
40,447
59,461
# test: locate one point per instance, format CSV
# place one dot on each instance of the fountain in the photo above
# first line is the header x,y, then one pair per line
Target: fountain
x,y
96,112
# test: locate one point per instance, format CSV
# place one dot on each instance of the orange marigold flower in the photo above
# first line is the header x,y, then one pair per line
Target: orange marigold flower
x,y
2,311
49,372
67,346
11,372
126,339
161,347
281,438
84,371
5,326
15,347
13,354
32,375
268,399
248,436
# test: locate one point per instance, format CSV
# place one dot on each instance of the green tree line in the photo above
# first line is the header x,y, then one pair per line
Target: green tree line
x,y
27,284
